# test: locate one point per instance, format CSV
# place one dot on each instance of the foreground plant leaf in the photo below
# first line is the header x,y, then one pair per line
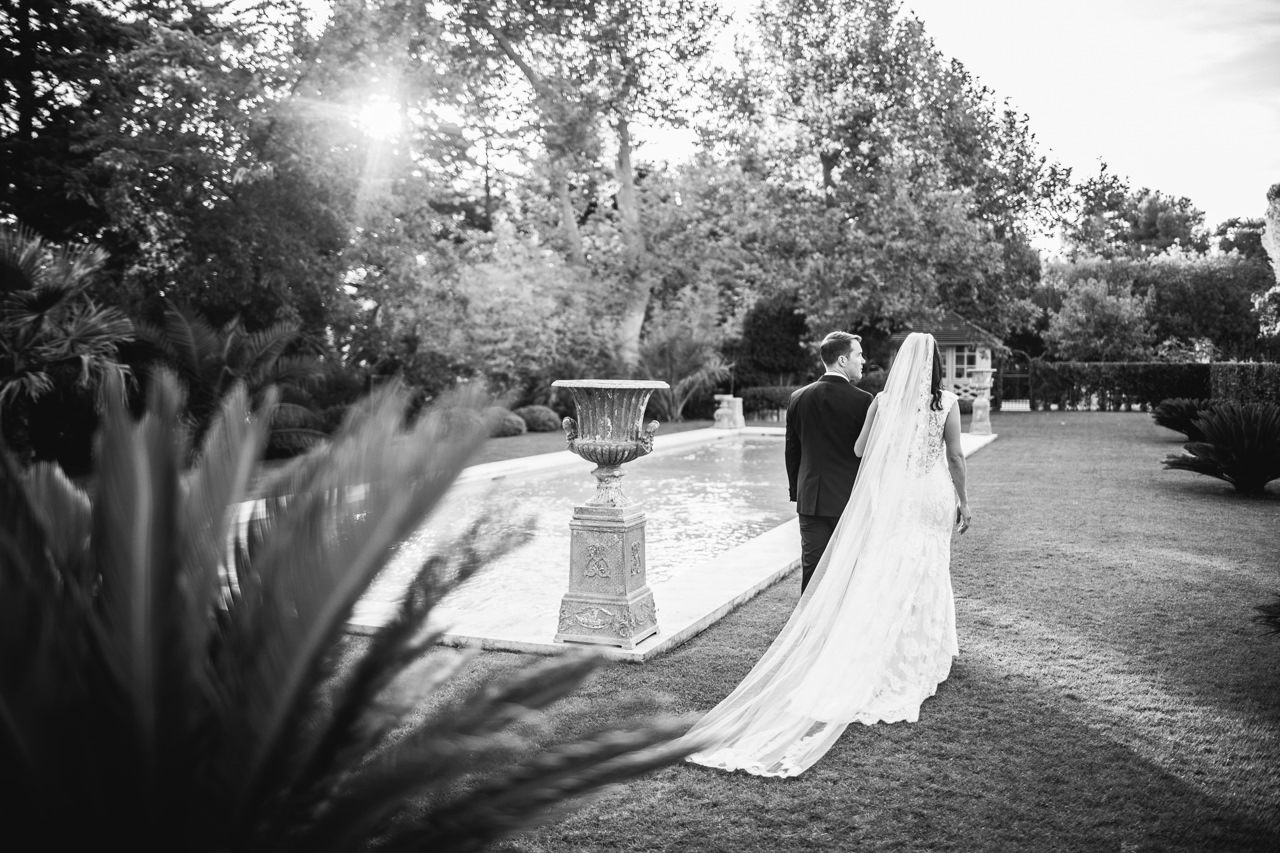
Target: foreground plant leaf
x,y
161,690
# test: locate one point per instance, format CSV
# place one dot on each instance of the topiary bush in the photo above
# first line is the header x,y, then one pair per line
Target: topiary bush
x,y
539,418
504,423
1179,414
1241,446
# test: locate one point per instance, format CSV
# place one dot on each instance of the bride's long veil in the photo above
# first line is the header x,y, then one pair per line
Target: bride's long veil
x,y
825,666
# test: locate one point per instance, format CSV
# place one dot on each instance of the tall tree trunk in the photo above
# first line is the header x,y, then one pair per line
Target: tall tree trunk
x,y
568,215
830,159
636,256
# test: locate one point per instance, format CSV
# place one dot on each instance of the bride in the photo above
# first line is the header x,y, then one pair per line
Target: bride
x,y
875,632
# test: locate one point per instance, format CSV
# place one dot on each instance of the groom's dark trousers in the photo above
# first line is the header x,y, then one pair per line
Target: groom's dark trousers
x,y
823,422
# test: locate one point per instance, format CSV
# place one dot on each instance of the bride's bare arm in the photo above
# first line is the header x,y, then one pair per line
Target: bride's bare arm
x,y
955,461
861,444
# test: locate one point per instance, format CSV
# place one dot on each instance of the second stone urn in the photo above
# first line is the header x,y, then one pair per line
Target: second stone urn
x,y
609,601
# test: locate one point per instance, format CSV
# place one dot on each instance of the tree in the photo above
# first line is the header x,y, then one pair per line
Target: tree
x,y
54,338
1111,220
910,188
1243,236
162,131
57,57
183,700
1267,304
681,347
607,61
1096,324
1193,296
772,348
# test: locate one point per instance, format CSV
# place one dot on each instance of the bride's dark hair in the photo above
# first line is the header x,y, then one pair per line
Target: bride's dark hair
x,y
935,385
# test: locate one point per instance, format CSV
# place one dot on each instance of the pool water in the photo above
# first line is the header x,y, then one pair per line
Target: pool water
x,y
698,501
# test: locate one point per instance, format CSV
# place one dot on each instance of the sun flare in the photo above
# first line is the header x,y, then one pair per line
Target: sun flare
x,y
380,118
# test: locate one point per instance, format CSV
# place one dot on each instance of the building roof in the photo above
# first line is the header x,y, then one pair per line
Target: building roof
x,y
953,330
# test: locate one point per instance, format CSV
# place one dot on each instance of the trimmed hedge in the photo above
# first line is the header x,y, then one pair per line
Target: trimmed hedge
x,y
1246,382
762,398
766,397
1115,385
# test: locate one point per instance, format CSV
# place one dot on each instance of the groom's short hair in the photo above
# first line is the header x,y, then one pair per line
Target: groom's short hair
x,y
835,345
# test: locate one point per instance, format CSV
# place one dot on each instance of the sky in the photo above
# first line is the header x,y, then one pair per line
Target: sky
x,y
1180,96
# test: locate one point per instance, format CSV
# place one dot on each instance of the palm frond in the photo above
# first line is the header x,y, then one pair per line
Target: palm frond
x,y
227,458
28,622
191,340
58,501
359,724
94,330
1241,446
452,742
263,348
31,384
299,370
1179,414
72,267
516,800
22,254
135,526
325,549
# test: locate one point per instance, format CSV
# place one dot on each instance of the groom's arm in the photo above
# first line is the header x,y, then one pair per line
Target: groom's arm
x,y
792,448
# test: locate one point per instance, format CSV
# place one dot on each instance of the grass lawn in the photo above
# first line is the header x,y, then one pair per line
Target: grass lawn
x,y
1112,692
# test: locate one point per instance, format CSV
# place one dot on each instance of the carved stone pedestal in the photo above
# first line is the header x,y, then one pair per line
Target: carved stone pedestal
x,y
729,412
980,423
609,601
980,380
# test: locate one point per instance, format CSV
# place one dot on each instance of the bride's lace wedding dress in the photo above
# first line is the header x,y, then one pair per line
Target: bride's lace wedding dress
x,y
875,633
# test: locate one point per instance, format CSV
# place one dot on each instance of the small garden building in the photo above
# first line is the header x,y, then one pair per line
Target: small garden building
x,y
965,347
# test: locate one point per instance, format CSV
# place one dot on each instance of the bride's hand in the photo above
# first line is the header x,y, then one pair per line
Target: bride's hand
x,y
963,517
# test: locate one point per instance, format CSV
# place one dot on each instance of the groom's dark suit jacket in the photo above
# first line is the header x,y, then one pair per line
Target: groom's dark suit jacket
x,y
823,422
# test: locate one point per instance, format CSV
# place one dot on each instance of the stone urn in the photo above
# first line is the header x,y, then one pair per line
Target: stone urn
x,y
609,601
980,382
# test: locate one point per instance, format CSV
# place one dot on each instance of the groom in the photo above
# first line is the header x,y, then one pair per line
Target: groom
x,y
823,422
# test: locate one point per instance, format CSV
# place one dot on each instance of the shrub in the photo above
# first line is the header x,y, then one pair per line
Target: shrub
x,y
1179,414
1241,446
763,397
183,703
539,418
873,381
1116,385
1246,382
503,423
966,405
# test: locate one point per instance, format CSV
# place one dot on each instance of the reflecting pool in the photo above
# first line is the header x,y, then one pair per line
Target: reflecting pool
x,y
699,501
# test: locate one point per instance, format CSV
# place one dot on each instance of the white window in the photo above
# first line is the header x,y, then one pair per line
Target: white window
x,y
960,360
